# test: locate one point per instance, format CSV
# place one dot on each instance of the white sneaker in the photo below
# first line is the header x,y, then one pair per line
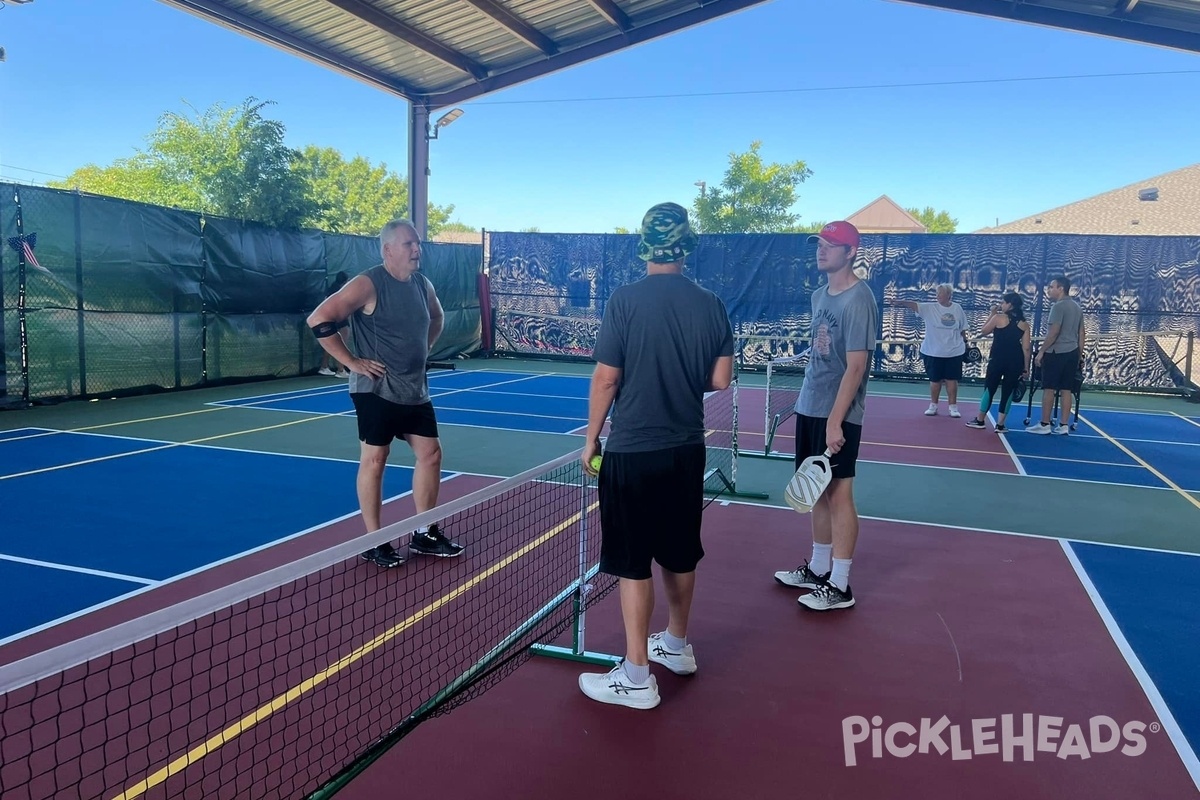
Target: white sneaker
x,y
681,662
615,688
1061,430
954,412
1042,429
325,371
931,411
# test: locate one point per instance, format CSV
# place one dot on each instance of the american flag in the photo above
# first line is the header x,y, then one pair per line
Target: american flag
x,y
25,244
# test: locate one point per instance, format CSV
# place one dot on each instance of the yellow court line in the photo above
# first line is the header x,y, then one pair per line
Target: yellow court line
x,y
148,419
166,446
1185,419
1135,457
258,715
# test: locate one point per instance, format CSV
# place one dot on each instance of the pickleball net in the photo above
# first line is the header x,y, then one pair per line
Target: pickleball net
x,y
289,683
785,376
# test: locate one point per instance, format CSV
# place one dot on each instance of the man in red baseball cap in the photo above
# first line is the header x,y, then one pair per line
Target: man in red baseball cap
x,y
829,414
839,233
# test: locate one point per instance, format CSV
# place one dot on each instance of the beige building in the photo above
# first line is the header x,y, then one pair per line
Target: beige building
x,y
1165,205
885,215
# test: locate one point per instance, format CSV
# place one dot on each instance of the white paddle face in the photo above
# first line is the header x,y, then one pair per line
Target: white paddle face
x,y
807,485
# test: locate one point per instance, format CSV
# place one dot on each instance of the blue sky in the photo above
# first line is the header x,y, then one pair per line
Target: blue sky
x,y
85,81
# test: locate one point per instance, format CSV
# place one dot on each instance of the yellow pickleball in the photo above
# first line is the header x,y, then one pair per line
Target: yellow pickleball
x,y
595,463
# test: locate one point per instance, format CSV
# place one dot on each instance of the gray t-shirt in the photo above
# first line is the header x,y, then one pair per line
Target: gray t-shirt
x,y
664,333
841,323
395,334
1068,315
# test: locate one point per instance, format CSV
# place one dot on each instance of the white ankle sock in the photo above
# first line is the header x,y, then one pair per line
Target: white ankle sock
x,y
819,563
840,576
637,674
673,642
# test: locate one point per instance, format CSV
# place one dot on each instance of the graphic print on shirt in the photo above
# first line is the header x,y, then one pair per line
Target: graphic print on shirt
x,y
823,324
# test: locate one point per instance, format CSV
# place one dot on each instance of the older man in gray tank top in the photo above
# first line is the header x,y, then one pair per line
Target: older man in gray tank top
x,y
394,317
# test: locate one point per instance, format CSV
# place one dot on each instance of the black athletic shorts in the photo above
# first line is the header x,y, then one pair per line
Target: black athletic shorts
x,y
1058,370
651,505
943,369
810,441
380,421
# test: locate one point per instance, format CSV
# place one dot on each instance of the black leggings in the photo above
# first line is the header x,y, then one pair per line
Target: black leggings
x,y
1002,373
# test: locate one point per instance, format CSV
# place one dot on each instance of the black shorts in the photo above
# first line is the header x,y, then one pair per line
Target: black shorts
x,y
651,505
810,441
943,369
380,421
1058,370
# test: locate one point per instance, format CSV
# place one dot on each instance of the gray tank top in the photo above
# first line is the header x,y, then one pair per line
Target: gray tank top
x,y
395,334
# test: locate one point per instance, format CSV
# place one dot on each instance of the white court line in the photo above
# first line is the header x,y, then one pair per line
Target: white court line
x,y
1188,420
1080,461
1140,441
1004,441
970,529
41,432
176,578
1182,746
33,562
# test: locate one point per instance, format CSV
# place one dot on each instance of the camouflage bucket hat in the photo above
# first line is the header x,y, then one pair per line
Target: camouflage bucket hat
x,y
666,234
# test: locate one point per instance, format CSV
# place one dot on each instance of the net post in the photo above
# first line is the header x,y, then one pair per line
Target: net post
x,y
578,652
1187,359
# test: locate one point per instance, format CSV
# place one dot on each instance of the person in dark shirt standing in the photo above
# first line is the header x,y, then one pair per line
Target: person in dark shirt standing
x,y
394,317
663,343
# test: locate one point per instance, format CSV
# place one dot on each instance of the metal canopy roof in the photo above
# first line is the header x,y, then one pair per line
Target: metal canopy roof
x,y
438,52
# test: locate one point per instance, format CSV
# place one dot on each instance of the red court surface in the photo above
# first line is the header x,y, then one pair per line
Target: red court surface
x,y
968,625
895,431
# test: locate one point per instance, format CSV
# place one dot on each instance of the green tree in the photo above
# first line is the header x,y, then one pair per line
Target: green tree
x,y
754,197
356,196
226,161
233,162
935,221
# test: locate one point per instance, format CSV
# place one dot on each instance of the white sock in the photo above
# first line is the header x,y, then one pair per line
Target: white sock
x,y
635,673
819,563
674,642
841,573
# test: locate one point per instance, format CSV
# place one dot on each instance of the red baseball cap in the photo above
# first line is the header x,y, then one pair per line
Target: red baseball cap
x,y
840,232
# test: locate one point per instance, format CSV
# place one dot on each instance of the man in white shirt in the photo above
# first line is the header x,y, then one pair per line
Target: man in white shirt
x,y
943,347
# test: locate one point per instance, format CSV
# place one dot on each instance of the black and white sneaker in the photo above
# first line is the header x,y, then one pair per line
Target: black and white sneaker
x,y
827,597
434,543
976,423
801,578
384,556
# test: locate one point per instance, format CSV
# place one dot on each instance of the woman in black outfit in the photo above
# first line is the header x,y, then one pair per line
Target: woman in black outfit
x,y
1009,361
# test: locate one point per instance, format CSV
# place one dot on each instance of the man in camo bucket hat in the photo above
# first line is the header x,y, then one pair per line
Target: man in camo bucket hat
x,y
666,234
663,343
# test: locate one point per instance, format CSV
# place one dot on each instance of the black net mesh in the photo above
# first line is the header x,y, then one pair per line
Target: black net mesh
x,y
275,691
